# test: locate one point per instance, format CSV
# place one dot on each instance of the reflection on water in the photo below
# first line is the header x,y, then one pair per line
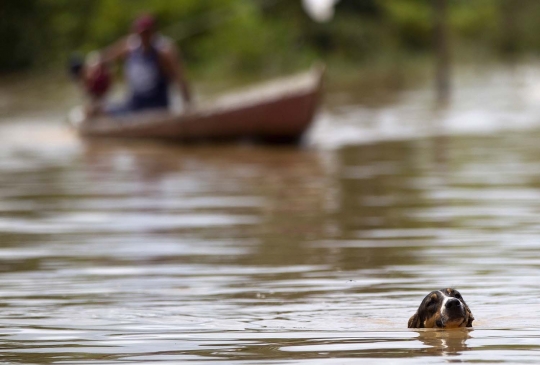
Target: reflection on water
x,y
448,343
140,253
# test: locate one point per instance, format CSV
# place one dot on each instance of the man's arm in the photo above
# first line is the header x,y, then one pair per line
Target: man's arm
x,y
116,51
173,65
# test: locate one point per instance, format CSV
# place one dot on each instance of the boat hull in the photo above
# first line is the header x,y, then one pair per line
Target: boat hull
x,y
279,111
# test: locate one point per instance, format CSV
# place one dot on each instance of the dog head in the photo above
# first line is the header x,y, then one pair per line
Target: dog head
x,y
443,308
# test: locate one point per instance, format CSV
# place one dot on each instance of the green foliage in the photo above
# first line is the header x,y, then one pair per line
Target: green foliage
x,y
260,35
411,20
17,47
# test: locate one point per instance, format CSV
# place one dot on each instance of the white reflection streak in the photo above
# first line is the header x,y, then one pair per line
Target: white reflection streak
x,y
320,10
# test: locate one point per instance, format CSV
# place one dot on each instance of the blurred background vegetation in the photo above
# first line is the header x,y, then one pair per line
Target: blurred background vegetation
x,y
264,36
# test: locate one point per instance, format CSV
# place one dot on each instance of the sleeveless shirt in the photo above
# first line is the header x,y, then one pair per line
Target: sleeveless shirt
x,y
146,80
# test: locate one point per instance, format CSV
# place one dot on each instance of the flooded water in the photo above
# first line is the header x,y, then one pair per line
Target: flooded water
x,y
114,252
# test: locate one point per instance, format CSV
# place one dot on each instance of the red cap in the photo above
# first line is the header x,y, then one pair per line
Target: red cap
x,y
144,23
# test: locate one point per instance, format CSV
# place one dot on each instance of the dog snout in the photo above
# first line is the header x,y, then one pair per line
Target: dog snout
x,y
453,304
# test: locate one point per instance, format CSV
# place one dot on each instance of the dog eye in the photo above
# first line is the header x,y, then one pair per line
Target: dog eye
x,y
458,296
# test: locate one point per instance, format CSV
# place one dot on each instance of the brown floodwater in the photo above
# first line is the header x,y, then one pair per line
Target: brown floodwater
x,y
122,253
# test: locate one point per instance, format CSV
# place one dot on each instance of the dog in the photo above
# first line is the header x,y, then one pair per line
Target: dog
x,y
443,308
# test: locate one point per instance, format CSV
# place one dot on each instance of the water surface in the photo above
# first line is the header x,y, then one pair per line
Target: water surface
x,y
114,252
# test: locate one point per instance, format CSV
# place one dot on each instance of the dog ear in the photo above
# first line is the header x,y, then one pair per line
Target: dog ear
x,y
415,321
471,318
469,314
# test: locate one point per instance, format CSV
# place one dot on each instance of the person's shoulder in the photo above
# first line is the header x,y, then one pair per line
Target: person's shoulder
x,y
132,42
164,44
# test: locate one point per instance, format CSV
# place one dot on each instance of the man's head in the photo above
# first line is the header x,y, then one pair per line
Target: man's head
x,y
145,27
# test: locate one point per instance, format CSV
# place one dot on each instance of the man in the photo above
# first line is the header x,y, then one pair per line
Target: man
x,y
151,63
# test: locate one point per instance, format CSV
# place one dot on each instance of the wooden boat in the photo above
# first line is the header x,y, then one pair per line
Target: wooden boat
x,y
277,111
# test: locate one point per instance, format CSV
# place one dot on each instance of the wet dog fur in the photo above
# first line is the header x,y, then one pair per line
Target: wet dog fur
x,y
443,308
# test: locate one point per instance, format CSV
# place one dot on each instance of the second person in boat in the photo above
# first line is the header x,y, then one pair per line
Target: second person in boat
x,y
151,63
